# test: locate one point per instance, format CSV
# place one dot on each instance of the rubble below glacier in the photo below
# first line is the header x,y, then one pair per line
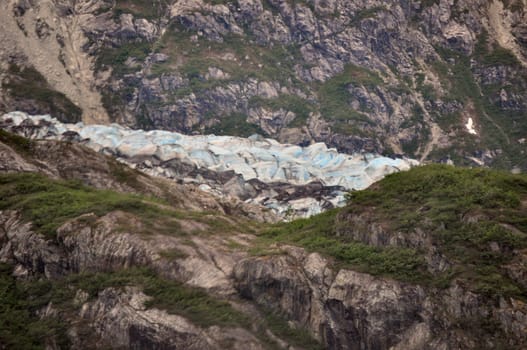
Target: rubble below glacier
x,y
292,181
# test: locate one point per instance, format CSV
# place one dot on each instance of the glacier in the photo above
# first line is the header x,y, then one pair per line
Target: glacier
x,y
255,157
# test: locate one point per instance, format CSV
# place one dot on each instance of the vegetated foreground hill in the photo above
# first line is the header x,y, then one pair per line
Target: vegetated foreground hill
x,y
432,79
432,258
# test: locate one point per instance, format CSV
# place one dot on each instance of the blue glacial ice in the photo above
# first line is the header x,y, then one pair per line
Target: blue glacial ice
x,y
255,157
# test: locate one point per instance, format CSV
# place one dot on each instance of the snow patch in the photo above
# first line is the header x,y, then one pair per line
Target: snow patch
x,y
470,127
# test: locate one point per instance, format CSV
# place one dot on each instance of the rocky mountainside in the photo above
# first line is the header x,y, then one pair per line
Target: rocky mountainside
x,y
432,79
96,255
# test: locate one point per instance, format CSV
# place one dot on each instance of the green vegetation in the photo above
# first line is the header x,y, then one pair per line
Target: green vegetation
x,y
366,13
48,203
219,2
125,175
514,5
116,58
496,55
18,143
239,57
173,254
20,328
461,85
499,127
114,101
298,338
26,83
172,296
475,218
319,233
335,97
251,60
464,211
140,8
236,125
427,91
428,3
301,107
274,7
501,56
422,133
176,298
123,60
411,147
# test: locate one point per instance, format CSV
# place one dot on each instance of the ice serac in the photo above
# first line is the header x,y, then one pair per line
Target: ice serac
x,y
254,159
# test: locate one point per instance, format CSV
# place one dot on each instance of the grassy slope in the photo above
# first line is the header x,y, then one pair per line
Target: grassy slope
x,y
318,234
440,200
48,204
500,127
20,144
464,211
448,195
19,328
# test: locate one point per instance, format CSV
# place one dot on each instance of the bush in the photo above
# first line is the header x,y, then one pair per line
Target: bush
x,y
20,327
18,143
334,95
462,212
235,125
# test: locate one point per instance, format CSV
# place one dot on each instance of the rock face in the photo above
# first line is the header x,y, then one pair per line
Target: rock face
x,y
117,314
400,77
49,38
344,309
67,160
352,310
291,180
118,317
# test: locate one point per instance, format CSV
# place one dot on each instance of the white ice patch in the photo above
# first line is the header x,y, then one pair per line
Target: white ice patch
x,y
470,127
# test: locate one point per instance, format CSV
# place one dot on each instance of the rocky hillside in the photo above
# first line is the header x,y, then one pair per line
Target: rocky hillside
x,y
432,258
432,79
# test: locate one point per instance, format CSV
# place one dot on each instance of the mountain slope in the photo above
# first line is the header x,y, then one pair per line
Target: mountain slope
x,y
100,268
447,246
393,77
432,258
